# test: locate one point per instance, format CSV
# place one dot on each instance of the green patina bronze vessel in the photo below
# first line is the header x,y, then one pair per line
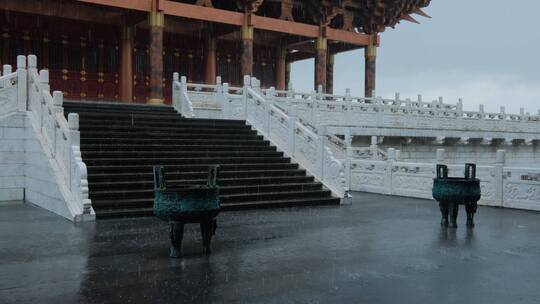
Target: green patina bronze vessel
x,y
193,204
451,192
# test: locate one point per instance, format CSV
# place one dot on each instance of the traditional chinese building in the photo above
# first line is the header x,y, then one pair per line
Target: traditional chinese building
x,y
127,50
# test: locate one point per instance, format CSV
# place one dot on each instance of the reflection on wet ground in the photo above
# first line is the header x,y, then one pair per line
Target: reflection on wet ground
x,y
380,249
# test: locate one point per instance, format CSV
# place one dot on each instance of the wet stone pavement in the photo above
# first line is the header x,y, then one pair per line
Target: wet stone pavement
x,y
380,249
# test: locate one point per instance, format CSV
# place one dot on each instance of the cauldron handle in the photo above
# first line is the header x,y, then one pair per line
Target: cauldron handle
x,y
470,171
212,176
442,171
159,178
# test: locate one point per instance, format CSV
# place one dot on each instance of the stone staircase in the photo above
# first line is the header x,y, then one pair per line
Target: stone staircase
x,y
121,142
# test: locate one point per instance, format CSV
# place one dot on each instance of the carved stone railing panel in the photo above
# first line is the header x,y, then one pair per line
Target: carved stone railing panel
x,y
369,176
521,188
414,180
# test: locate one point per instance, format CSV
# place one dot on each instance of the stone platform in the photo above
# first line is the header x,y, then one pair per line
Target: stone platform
x,y
380,249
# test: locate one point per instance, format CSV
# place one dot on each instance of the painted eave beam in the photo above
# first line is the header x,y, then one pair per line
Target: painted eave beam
x,y
138,5
235,18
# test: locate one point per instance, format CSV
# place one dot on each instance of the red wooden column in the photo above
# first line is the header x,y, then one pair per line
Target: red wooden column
x,y
246,61
320,60
330,74
156,22
288,74
370,65
126,65
210,70
281,68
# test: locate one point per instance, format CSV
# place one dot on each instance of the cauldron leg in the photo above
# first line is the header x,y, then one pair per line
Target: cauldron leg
x,y
214,227
471,210
207,229
444,213
453,210
177,234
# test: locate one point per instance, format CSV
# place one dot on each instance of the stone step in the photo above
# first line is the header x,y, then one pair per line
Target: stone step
x,y
146,210
102,106
172,135
172,129
143,125
223,190
169,154
149,141
132,169
146,184
184,161
197,175
186,147
157,117
269,196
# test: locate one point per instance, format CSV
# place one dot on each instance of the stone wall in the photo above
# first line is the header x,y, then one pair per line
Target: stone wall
x,y
12,156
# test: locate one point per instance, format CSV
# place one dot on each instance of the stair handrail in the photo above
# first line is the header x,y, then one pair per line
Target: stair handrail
x,y
60,139
13,88
310,149
180,99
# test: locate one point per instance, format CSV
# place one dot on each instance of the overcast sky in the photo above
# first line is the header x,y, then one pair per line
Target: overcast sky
x,y
486,51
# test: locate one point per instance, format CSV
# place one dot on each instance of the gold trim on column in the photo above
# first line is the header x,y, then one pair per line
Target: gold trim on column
x,y
211,44
247,32
127,32
156,19
331,58
371,48
321,43
155,101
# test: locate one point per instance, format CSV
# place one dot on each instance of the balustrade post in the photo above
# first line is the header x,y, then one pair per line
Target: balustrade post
x,y
498,179
481,111
313,106
349,115
374,149
271,95
268,110
322,136
74,140
218,90
391,158
44,87
58,110
225,104
348,94
348,164
247,84
22,85
184,107
6,69
293,119
290,90
32,70
175,96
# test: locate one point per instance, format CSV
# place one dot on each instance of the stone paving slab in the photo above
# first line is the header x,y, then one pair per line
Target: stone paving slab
x,y
380,249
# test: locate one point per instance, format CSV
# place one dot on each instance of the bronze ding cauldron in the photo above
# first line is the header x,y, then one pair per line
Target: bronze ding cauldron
x,y
451,192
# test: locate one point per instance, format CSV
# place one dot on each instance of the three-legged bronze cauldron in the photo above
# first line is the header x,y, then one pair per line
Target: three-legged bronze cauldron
x,y
451,192
193,204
